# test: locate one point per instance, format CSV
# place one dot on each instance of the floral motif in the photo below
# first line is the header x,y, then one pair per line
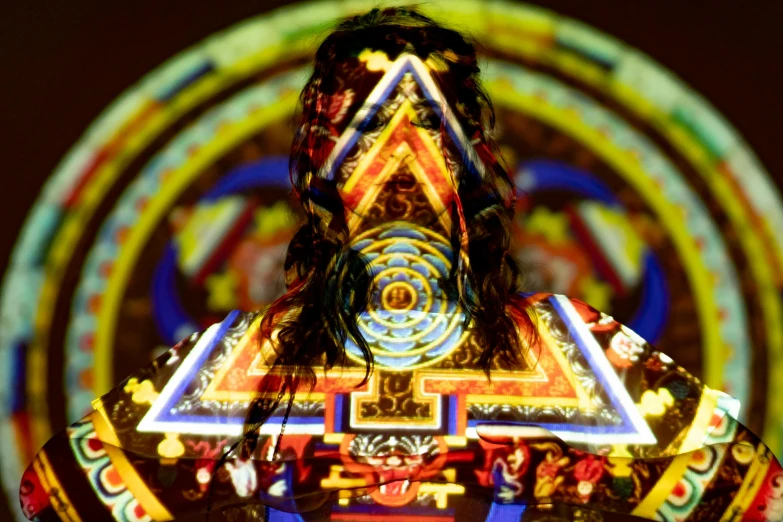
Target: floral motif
x,y
243,477
624,351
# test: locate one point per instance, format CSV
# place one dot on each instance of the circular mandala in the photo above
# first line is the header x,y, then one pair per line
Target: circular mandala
x,y
173,208
410,323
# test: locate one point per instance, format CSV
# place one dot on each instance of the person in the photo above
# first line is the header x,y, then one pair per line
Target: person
x,y
405,374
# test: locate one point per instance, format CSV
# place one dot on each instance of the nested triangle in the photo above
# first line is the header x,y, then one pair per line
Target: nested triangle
x,y
407,68
586,362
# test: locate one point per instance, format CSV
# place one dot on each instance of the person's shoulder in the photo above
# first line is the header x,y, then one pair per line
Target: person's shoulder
x,y
155,417
590,327
234,326
565,304
192,363
238,322
227,330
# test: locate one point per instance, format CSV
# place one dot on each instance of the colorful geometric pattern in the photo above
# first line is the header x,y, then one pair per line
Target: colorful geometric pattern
x,y
607,145
107,482
692,466
411,326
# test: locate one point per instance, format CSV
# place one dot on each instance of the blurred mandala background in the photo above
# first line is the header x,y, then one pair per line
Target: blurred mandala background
x,y
173,208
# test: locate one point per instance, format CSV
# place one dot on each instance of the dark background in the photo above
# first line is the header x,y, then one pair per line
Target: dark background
x,y
63,62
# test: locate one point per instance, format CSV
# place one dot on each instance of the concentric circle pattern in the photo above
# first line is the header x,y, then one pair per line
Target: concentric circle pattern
x,y
410,323
635,195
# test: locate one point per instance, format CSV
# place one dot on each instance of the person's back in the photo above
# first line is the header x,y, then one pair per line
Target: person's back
x,y
596,421
404,374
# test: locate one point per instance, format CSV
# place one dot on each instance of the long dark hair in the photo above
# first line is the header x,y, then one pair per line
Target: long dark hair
x,y
328,282
319,257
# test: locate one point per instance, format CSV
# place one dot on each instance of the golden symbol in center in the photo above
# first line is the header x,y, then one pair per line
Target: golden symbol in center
x,y
399,296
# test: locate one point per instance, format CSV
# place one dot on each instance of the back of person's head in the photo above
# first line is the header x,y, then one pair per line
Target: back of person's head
x,y
454,67
328,282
